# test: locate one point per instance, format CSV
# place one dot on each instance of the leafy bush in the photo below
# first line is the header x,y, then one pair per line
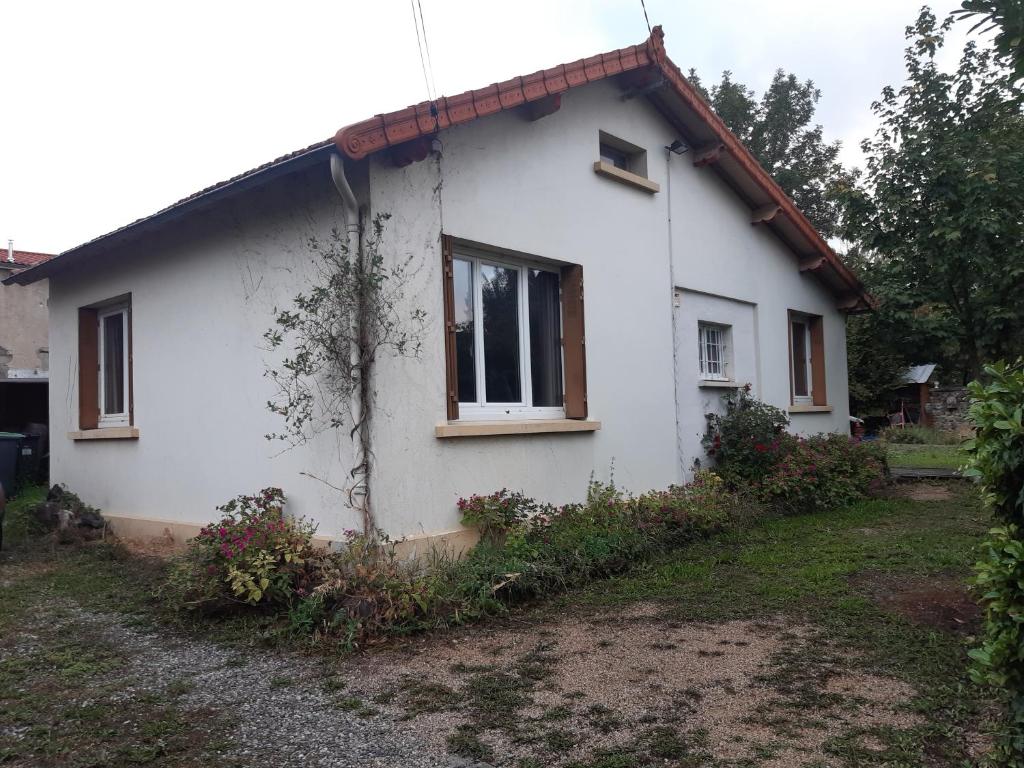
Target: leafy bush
x,y
498,513
255,554
916,434
566,546
366,590
997,460
752,450
820,473
740,440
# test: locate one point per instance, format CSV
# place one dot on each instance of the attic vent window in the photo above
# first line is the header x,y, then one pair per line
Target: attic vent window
x,y
623,162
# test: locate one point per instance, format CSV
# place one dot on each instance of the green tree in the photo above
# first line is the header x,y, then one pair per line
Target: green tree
x,y
940,207
1008,17
778,130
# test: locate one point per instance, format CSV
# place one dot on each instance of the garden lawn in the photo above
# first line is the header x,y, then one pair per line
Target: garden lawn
x,y
835,639
925,456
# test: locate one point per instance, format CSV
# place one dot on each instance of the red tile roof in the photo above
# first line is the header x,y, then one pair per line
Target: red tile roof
x,y
686,110
24,258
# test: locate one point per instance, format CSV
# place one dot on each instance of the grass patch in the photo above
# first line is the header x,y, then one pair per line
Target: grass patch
x,y
804,567
925,456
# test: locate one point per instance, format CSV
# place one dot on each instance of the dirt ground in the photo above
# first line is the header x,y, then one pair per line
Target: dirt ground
x,y
733,691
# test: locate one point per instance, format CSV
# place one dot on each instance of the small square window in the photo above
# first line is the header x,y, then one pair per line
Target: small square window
x,y
712,351
622,154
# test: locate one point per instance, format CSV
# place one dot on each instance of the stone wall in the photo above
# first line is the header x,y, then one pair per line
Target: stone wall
x,y
947,407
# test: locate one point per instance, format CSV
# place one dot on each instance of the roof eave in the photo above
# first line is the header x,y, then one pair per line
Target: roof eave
x,y
426,119
199,201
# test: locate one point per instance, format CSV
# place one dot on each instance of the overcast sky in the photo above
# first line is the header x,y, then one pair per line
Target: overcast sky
x,y
113,110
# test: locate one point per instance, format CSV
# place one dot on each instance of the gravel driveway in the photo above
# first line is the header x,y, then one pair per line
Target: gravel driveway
x,y
282,712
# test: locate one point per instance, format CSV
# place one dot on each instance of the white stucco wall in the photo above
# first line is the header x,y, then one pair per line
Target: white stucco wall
x,y
529,187
203,295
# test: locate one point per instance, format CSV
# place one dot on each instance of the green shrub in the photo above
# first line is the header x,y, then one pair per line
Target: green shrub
x,y
752,450
738,439
496,514
915,434
997,460
365,590
255,554
567,546
819,473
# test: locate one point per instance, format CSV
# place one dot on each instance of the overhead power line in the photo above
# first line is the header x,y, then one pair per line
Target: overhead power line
x,y
644,6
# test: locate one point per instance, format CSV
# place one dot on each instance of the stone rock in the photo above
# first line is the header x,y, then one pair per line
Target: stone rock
x,y
90,518
48,514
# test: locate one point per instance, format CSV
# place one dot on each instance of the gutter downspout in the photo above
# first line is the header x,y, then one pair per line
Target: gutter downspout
x,y
358,493
675,309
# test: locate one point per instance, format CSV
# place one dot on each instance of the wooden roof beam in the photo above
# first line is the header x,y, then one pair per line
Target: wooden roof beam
x,y
811,263
707,154
765,214
535,110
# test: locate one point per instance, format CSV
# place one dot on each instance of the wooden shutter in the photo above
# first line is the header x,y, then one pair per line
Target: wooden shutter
x,y
88,370
574,344
818,394
131,368
451,363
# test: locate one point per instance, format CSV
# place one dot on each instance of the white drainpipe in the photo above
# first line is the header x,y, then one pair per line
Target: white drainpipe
x,y
350,208
10,251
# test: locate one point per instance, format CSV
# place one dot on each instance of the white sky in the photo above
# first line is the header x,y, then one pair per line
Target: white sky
x,y
112,110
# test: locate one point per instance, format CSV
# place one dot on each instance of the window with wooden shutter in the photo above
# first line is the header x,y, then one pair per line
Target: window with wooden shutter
x,y
504,324
105,381
807,359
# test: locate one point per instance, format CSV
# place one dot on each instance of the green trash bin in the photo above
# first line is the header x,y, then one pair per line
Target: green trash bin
x,y
10,452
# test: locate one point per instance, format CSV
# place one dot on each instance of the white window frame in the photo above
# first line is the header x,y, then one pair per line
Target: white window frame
x,y
113,419
723,331
805,321
481,410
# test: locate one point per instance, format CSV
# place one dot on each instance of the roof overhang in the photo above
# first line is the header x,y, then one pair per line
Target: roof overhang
x,y
646,70
207,198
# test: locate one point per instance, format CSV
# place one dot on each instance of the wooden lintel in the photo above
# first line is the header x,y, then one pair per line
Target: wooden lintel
x,y
765,214
410,152
808,263
535,110
707,154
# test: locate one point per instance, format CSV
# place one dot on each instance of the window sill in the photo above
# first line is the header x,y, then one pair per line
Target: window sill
x,y
810,409
625,177
719,384
107,433
514,427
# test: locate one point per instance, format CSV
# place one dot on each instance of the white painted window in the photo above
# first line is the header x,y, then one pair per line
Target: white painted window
x,y
712,351
800,358
113,367
507,338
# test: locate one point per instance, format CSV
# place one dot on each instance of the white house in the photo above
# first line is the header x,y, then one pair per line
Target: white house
x,y
610,173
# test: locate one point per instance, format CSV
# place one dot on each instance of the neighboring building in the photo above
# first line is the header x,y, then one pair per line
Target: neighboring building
x,y
24,346
700,276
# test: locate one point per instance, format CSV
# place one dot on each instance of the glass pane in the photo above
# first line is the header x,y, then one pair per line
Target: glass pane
x,y
500,288
615,157
465,335
113,364
545,339
800,360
